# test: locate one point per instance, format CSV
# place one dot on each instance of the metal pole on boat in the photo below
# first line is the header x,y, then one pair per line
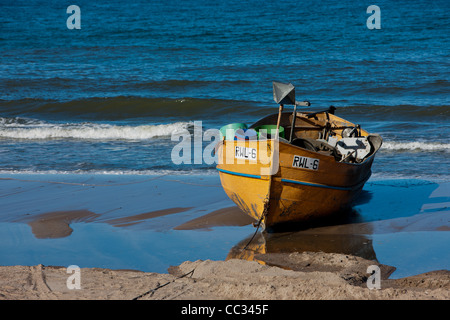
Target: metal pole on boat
x,y
294,115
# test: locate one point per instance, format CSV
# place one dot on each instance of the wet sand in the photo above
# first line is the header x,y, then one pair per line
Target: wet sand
x,y
231,216
57,224
153,227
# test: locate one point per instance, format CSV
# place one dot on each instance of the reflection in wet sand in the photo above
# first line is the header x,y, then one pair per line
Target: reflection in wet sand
x,y
134,219
265,243
232,216
390,219
349,238
57,224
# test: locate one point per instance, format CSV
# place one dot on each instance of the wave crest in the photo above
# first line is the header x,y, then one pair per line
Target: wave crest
x,y
86,131
416,146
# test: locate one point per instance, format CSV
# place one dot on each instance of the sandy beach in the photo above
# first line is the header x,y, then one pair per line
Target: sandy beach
x,y
133,240
305,276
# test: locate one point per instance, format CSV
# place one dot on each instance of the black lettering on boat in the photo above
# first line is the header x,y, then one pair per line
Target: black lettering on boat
x,y
315,164
245,153
296,161
305,163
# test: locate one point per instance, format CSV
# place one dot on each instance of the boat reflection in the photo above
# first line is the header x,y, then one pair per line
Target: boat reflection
x,y
311,240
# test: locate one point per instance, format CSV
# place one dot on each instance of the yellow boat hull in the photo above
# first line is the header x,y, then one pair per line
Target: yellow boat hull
x,y
291,193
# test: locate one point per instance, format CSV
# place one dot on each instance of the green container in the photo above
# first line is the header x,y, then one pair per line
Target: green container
x,y
230,134
268,129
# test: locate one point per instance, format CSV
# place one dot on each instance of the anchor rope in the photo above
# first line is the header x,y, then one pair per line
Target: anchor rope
x,y
263,215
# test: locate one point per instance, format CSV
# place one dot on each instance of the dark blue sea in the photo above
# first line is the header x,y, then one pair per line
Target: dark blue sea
x,y
107,98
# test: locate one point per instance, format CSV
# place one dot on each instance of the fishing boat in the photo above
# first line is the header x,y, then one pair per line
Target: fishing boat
x,y
295,167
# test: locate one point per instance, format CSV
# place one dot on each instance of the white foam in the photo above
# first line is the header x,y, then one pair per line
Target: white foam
x,y
416,146
161,172
435,178
90,131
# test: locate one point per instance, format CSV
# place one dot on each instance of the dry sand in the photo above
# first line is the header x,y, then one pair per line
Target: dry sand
x,y
297,276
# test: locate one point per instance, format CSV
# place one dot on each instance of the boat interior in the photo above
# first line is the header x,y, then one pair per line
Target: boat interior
x,y
324,133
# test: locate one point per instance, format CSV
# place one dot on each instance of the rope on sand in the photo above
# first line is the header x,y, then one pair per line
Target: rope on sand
x,y
152,291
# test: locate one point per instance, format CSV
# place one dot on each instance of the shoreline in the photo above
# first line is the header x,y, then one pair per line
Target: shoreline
x,y
166,226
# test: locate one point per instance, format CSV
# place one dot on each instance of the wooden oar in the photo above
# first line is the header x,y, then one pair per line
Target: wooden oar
x,y
280,110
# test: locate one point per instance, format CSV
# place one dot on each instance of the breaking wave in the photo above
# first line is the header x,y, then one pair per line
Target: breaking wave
x,y
416,146
156,172
20,128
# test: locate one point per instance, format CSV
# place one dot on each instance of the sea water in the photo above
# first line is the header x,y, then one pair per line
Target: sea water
x,y
107,98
